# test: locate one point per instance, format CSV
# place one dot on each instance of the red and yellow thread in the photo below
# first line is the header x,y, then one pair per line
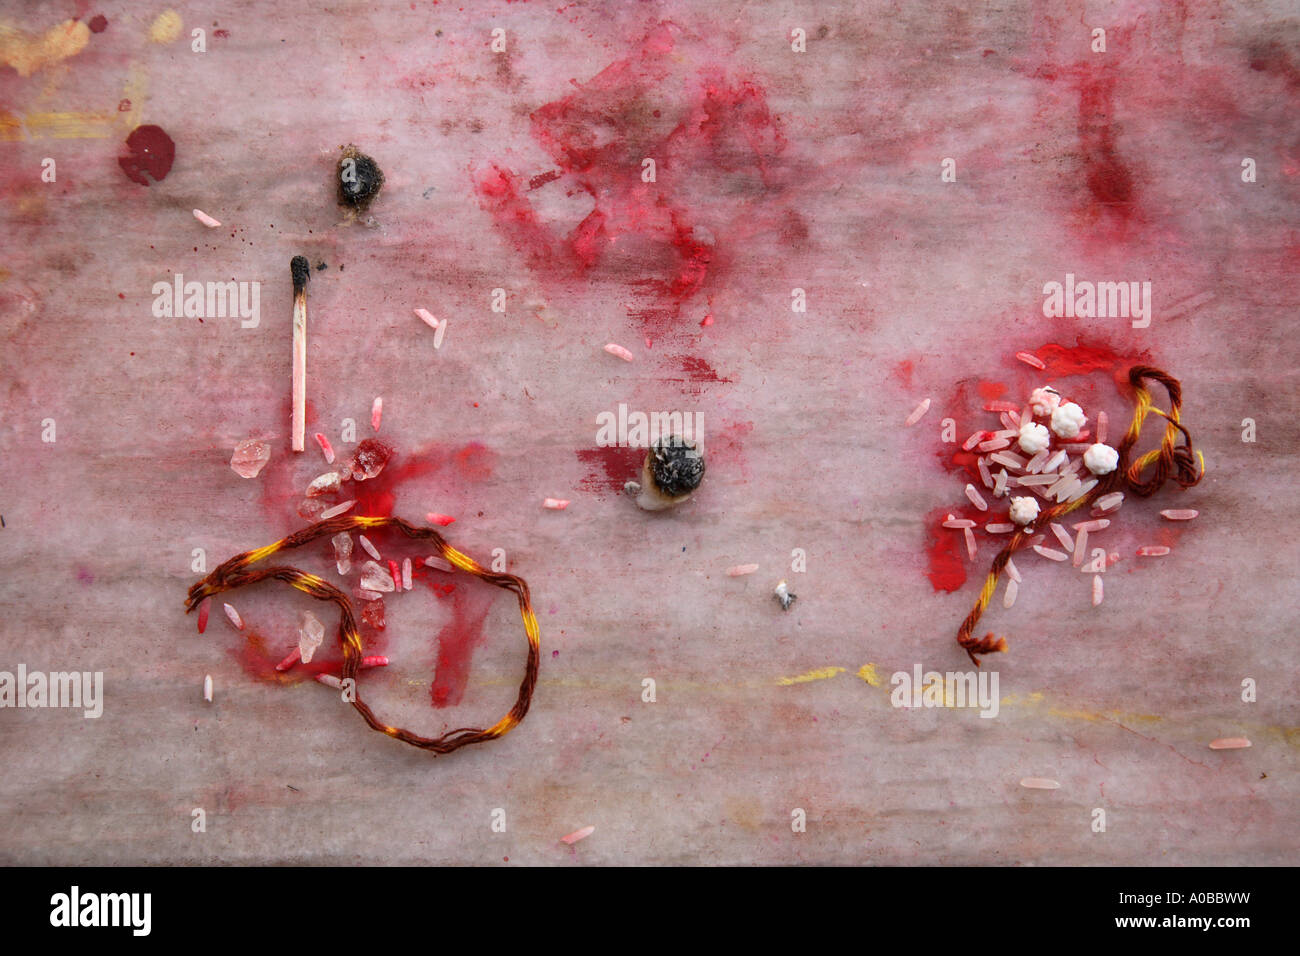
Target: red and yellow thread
x,y
1172,459
238,572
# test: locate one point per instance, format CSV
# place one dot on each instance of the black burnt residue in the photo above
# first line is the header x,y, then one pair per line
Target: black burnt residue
x,y
359,179
677,466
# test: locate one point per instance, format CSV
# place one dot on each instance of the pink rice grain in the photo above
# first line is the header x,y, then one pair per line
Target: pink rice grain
x,y
1098,524
1098,590
995,444
370,548
974,439
1083,490
1050,554
917,413
1054,462
985,477
1000,527
1030,358
976,499
1035,464
337,510
958,522
1080,546
1008,460
1013,572
1152,551
1000,483
970,542
1229,743
1102,422
1009,592
1001,407
1062,536
406,574
1039,783
740,570
577,835
1179,514
1109,502
626,356
1005,418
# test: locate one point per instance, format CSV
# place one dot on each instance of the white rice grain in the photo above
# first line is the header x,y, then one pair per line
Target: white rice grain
x,y
626,356
1062,536
337,510
976,499
1097,524
1102,421
1179,514
970,542
406,574
1053,463
985,477
1082,490
958,522
1080,546
1009,592
207,688
1050,554
999,527
235,619
994,444
917,413
1098,590
1039,783
1000,483
1152,551
1008,459
1109,502
1035,464
370,548
1012,571
1031,359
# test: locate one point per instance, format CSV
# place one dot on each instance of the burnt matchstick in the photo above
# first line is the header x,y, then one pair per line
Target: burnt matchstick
x,y
299,268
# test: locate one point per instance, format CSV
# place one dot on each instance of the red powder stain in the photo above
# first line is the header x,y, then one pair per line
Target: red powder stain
x,y
1087,358
221,34
1107,176
98,23
607,126
151,153
85,576
456,643
611,468
991,391
902,373
946,550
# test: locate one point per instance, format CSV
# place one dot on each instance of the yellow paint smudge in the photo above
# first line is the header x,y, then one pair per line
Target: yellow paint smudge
x,y
29,52
869,674
166,27
822,673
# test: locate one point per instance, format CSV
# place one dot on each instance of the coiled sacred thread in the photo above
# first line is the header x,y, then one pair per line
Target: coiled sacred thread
x,y
238,572
1143,477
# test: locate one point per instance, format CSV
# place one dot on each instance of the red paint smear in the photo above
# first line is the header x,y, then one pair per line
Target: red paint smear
x,y
1109,180
902,373
991,391
456,643
608,126
152,152
620,465
1086,358
946,549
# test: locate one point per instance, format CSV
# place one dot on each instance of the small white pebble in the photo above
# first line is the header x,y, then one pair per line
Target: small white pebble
x,y
619,351
1034,438
1100,459
1068,420
740,570
1024,510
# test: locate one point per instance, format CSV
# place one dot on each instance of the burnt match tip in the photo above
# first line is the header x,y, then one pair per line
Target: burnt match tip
x,y
300,268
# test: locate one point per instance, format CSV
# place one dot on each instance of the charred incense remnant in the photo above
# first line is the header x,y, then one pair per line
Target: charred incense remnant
x,y
670,473
300,269
1179,461
784,595
238,572
359,179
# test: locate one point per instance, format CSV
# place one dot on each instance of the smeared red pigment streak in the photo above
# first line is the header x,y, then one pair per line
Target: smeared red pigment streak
x,y
991,391
610,468
1108,177
151,152
456,643
946,550
605,128
1088,358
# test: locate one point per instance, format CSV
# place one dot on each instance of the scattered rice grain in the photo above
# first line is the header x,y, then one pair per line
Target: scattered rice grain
x,y
1098,590
917,413
976,499
1050,553
1031,359
1152,551
337,510
1009,592
1179,514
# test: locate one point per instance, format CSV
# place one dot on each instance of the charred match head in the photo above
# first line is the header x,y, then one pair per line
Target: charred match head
x,y
359,179
670,473
299,268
